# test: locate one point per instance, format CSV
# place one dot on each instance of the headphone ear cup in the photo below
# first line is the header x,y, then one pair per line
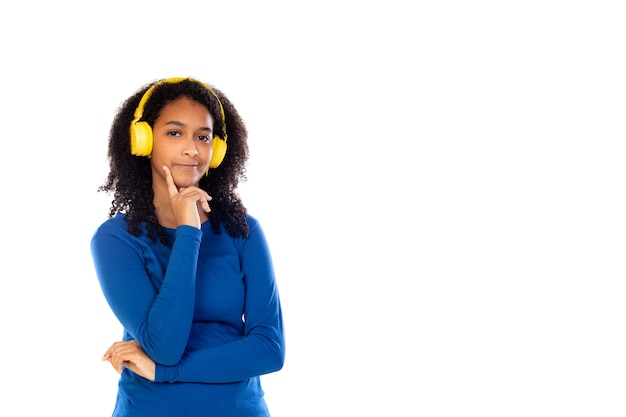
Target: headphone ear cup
x,y
219,150
140,139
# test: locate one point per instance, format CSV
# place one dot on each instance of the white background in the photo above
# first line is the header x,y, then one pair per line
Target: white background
x,y
441,183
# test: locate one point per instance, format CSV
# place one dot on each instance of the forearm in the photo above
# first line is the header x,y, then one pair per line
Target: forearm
x,y
236,361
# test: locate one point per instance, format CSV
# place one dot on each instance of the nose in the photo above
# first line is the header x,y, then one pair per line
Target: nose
x,y
189,148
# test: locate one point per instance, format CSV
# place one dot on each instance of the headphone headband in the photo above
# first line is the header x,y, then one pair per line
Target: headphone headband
x,y
141,133
174,80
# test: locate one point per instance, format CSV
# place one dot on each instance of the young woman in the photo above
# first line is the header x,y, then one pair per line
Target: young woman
x,y
185,269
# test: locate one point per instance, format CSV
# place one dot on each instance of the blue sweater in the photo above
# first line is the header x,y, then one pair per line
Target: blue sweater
x,y
205,309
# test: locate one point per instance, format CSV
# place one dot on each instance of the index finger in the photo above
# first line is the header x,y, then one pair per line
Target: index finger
x,y
109,352
169,180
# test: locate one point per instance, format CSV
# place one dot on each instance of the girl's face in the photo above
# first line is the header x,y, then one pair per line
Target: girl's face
x,y
183,135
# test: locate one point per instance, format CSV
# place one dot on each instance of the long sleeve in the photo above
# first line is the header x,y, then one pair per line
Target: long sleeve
x,y
149,287
259,348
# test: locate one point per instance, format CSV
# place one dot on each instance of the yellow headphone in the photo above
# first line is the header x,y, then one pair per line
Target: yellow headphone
x,y
141,133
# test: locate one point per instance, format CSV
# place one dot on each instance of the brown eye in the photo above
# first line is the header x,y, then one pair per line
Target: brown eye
x,y
205,138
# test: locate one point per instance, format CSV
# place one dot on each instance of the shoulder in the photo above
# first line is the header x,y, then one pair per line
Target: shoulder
x,y
256,233
252,221
114,225
254,226
112,237
113,229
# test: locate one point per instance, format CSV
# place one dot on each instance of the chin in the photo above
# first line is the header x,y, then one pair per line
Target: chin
x,y
187,181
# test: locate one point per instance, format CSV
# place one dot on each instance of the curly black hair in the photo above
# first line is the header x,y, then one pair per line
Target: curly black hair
x,y
130,176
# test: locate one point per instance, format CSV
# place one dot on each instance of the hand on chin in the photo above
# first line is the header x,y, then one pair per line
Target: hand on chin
x,y
185,176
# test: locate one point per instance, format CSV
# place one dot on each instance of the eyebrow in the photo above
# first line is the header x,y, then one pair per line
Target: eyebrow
x,y
181,124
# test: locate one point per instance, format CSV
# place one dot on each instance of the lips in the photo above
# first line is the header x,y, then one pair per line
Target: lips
x,y
187,166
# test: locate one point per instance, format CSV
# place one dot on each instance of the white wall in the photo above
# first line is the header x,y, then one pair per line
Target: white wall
x,y
442,184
